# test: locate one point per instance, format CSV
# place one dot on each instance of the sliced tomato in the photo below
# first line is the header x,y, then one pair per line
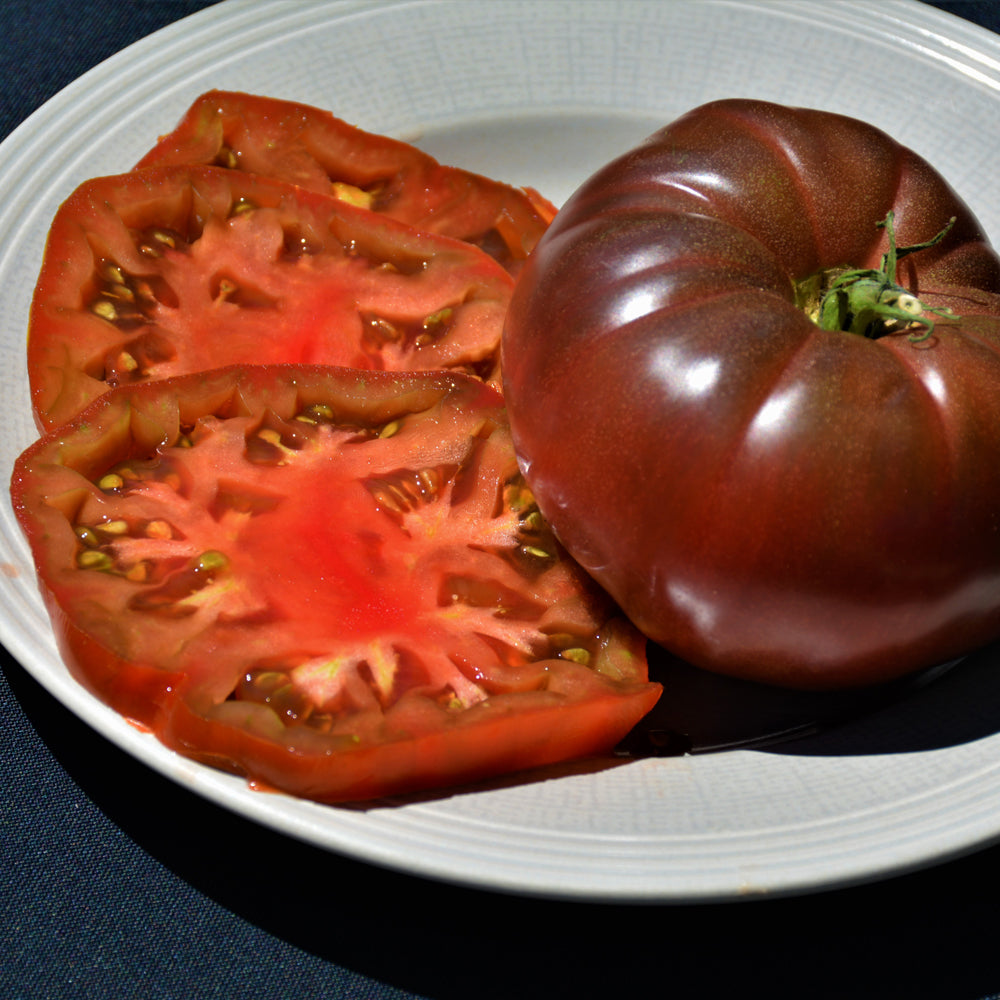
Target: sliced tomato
x,y
335,582
166,271
310,147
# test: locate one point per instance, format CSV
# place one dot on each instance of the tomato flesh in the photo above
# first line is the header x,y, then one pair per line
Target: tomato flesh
x,y
311,148
179,269
332,581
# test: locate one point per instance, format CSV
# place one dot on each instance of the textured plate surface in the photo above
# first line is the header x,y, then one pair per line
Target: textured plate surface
x,y
542,94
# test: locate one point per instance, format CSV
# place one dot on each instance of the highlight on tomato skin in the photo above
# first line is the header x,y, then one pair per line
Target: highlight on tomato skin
x,y
334,582
175,269
311,148
766,496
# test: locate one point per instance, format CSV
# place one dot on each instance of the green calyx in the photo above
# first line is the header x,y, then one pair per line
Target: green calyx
x,y
869,302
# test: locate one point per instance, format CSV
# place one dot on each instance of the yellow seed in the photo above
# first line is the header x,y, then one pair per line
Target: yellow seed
x,y
270,435
437,319
112,481
315,413
93,559
118,527
105,308
577,655
429,480
159,529
121,292
87,536
137,573
385,330
390,429
384,497
352,195
126,362
112,272
211,561
533,550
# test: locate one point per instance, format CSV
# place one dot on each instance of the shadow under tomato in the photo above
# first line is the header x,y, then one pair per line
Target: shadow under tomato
x,y
701,712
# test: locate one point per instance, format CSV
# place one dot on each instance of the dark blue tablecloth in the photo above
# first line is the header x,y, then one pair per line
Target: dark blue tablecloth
x,y
116,883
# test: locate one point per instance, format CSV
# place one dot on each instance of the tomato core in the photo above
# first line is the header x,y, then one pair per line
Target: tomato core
x,y
327,570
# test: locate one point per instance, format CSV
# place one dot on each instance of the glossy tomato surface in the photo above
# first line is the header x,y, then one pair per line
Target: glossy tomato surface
x,y
171,270
765,497
312,148
333,581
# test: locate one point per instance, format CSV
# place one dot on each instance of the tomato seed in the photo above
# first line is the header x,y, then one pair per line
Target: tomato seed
x,y
117,527
94,559
111,481
316,413
352,195
533,550
87,536
138,573
211,561
111,272
105,309
226,157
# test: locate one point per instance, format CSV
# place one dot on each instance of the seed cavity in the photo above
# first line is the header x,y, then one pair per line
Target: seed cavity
x,y
170,598
227,157
435,326
155,241
316,413
407,490
242,206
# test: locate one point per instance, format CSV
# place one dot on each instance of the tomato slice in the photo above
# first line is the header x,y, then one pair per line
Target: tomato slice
x,y
333,581
172,270
310,147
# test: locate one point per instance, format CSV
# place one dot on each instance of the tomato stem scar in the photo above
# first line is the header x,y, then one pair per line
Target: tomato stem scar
x,y
868,302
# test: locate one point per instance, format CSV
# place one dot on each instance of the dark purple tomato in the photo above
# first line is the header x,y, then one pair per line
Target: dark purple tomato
x,y
753,377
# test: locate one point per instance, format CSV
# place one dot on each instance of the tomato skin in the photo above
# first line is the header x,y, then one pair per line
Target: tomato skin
x,y
425,644
765,498
311,148
171,270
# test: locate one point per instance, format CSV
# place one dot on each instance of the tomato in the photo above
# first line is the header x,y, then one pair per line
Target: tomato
x,y
172,270
766,496
310,147
333,581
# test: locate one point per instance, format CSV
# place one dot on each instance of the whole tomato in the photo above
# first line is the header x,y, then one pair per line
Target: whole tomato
x,y
753,377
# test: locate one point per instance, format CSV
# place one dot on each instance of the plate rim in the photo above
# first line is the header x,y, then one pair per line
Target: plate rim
x,y
222,789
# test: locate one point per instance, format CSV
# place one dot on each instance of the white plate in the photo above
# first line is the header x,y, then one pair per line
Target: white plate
x,y
542,93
